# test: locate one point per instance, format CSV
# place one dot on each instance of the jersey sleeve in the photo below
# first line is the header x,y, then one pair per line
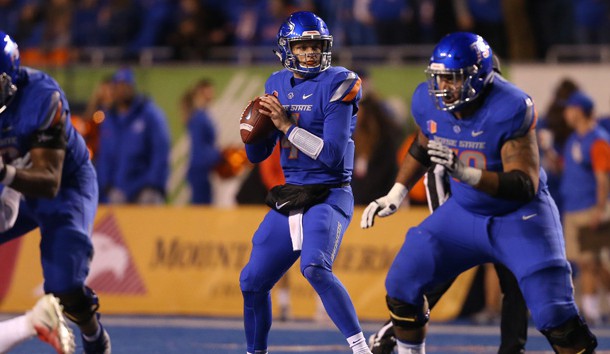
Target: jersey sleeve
x,y
51,124
346,87
600,156
524,118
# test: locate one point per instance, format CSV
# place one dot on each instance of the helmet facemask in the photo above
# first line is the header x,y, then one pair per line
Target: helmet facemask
x,y
451,87
291,61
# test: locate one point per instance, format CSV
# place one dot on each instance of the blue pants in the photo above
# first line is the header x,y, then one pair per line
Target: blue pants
x,y
272,255
66,223
528,241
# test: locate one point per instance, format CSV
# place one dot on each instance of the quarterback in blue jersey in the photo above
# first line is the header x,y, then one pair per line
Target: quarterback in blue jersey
x,y
313,106
481,128
59,186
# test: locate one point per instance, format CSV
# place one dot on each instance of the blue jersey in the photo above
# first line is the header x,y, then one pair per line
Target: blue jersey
x,y
325,106
30,121
578,184
505,113
37,103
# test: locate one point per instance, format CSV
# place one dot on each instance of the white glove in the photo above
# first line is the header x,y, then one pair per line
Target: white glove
x,y
442,155
22,162
9,208
384,206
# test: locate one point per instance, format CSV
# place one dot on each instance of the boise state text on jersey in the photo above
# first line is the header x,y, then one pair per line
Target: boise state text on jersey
x,y
506,113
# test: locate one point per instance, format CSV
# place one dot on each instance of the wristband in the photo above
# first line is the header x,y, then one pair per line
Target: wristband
x,y
469,175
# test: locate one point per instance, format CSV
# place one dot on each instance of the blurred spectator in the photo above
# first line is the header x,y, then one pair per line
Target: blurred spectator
x,y
585,188
87,121
520,44
156,17
203,154
485,18
9,16
552,23
376,138
197,29
118,22
85,26
133,154
390,19
553,132
592,21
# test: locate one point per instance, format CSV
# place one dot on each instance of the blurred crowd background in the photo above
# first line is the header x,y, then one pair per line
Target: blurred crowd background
x,y
63,31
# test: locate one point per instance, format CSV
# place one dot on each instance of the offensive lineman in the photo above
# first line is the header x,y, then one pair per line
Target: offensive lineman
x,y
481,128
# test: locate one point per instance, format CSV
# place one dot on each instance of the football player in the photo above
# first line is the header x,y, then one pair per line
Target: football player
x,y
514,320
481,128
59,187
313,106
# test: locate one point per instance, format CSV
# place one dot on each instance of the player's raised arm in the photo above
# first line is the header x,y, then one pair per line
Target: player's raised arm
x,y
411,170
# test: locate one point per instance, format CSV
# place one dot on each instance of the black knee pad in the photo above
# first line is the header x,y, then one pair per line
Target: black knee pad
x,y
79,305
573,334
405,315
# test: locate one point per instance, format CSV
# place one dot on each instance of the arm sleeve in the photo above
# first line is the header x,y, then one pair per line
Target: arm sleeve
x,y
260,151
336,133
525,118
600,156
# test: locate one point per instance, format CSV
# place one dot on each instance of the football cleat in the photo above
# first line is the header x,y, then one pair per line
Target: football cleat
x,y
99,346
383,341
50,325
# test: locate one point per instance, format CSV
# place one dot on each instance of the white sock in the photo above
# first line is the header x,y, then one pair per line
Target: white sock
x,y
406,348
15,331
590,307
358,344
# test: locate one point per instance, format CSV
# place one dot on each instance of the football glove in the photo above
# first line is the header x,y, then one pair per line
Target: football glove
x,y
442,155
384,206
22,162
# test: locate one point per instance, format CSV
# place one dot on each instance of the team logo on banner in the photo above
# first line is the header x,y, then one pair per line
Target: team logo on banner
x,y
112,269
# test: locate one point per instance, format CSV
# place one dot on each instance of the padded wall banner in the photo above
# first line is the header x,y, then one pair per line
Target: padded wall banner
x,y
187,260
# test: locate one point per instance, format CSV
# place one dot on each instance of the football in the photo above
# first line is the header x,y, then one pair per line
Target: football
x,y
253,125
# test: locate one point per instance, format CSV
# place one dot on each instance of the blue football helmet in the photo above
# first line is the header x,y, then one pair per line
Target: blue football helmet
x,y
461,66
9,69
303,26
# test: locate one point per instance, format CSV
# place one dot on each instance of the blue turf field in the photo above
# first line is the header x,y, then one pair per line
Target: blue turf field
x,y
185,335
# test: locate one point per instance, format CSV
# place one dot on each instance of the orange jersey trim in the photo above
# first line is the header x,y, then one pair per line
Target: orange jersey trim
x,y
600,156
353,92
